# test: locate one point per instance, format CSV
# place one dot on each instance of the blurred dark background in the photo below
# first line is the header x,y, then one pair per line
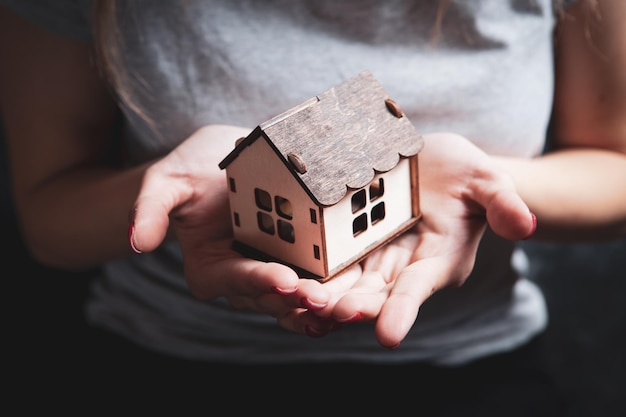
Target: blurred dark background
x,y
585,285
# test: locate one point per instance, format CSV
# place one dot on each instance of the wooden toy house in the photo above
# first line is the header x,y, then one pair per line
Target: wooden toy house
x,y
321,185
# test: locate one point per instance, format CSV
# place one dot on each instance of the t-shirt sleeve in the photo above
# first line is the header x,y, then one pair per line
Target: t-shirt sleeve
x,y
70,18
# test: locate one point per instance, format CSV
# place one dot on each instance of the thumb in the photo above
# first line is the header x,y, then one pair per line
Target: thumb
x,y
149,222
509,217
149,217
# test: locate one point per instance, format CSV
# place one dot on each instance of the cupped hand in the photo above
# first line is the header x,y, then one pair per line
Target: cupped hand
x,y
185,195
462,190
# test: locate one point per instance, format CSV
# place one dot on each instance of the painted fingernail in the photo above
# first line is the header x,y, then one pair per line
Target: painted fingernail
x,y
313,332
131,234
534,226
284,291
306,303
353,318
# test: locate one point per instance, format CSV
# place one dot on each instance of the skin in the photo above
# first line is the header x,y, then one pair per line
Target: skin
x,y
73,201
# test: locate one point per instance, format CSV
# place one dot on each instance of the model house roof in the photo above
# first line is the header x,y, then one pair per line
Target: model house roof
x,y
339,139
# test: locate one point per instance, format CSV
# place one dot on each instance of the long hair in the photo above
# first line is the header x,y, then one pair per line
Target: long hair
x,y
108,51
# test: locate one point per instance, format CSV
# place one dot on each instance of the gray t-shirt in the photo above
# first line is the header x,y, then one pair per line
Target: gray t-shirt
x,y
486,74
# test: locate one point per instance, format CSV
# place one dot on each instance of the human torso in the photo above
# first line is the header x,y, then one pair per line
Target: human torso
x,y
241,62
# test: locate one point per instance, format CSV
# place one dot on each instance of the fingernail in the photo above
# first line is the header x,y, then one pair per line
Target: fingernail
x,y
355,317
534,226
131,233
306,303
284,291
394,347
313,332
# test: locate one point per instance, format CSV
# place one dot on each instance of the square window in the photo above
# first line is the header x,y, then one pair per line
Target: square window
x,y
263,199
266,222
377,189
358,201
286,232
359,225
313,216
283,207
236,219
378,212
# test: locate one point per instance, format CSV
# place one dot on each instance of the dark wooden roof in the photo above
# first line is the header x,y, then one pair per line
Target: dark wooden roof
x,y
340,138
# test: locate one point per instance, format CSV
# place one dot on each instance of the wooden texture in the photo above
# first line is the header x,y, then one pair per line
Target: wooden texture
x,y
317,156
343,137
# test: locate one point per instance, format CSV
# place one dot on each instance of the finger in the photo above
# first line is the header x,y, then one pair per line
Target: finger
x,y
413,286
238,276
149,224
365,299
149,218
506,212
360,292
305,322
509,217
337,286
309,295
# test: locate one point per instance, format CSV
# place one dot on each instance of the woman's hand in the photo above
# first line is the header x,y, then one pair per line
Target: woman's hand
x,y
185,194
461,191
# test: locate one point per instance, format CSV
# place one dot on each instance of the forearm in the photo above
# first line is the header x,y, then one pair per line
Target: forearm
x,y
78,219
576,194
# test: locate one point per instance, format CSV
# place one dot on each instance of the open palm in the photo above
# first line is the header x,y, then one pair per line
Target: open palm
x,y
462,190
185,194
